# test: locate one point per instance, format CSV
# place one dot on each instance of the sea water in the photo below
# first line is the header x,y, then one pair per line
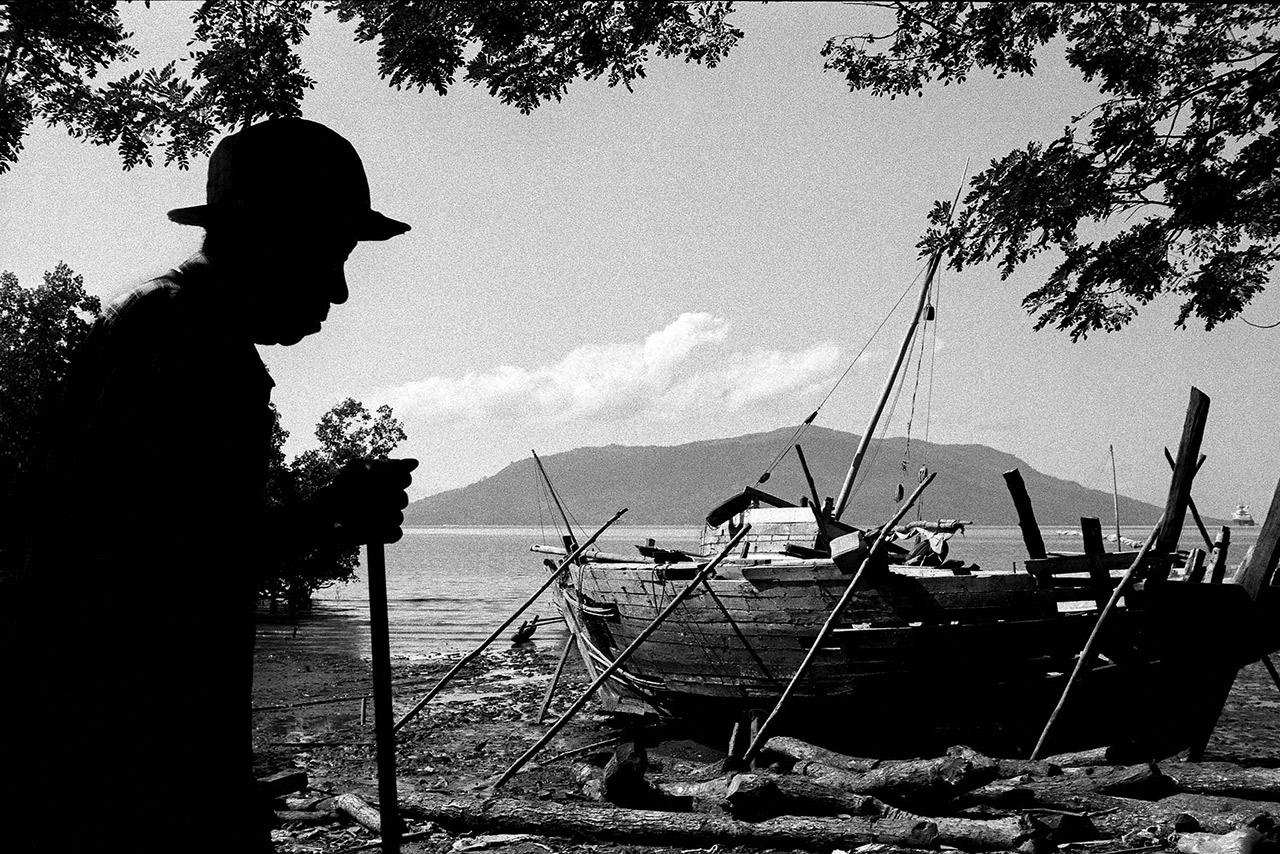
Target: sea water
x,y
448,588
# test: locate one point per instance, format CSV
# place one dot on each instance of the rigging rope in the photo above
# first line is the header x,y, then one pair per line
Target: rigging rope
x,y
804,425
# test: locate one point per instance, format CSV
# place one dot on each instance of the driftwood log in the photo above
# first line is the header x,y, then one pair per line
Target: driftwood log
x,y
801,751
358,809
918,783
598,822
1224,778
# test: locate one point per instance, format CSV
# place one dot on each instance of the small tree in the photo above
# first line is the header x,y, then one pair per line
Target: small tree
x,y
39,329
348,432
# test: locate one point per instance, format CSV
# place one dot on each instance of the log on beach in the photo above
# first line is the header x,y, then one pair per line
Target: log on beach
x,y
640,826
1224,778
919,783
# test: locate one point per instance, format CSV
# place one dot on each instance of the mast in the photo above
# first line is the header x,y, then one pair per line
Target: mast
x,y
1115,494
888,388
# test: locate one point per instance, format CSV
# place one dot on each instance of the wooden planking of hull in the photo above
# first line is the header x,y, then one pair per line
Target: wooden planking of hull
x,y
979,658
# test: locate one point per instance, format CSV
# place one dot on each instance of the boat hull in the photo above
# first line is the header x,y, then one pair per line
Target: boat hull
x,y
917,662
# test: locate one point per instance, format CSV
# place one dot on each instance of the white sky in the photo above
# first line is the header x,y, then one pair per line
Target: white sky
x,y
698,259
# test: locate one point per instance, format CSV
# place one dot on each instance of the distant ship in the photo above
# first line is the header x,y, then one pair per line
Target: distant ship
x,y
1242,516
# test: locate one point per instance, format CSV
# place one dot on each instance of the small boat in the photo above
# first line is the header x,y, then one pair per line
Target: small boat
x,y
1242,516
525,633
925,651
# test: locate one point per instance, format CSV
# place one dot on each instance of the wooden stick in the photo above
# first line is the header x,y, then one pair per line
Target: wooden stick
x,y
552,490
1191,502
621,658
1271,668
813,488
1031,536
565,564
555,679
384,734
1087,652
1175,506
762,735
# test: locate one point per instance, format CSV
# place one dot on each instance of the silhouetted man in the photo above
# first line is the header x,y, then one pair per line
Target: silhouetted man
x,y
140,624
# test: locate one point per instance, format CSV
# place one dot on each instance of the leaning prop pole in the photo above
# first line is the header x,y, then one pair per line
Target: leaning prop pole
x,y
551,579
830,624
1086,654
384,734
621,658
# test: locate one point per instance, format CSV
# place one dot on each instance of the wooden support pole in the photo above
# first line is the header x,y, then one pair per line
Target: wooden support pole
x,y
622,657
1026,516
1175,506
813,490
761,736
384,734
555,679
1086,654
551,579
1091,528
1267,549
1191,504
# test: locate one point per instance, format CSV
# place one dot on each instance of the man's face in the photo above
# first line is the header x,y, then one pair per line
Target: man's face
x,y
291,279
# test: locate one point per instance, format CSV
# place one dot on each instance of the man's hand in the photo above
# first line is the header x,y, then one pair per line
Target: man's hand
x,y
365,500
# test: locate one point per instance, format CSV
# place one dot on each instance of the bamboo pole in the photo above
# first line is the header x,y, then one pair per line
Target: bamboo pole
x,y
1087,653
565,564
621,658
555,679
762,734
384,733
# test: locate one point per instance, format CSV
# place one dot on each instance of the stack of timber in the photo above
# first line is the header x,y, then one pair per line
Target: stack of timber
x,y
803,796
820,620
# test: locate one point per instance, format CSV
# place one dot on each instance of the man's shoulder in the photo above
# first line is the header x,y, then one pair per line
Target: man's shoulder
x,y
166,300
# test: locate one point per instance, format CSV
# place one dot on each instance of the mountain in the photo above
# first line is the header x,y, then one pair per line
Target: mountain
x,y
679,485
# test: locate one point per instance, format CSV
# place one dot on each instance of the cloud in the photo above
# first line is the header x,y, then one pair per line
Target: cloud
x,y
682,369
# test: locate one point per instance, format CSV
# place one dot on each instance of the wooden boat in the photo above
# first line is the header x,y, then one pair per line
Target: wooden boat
x,y
927,656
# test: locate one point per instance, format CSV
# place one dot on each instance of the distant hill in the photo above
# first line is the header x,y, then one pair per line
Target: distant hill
x,y
678,485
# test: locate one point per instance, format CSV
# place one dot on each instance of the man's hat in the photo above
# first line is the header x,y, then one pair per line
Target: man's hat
x,y
294,168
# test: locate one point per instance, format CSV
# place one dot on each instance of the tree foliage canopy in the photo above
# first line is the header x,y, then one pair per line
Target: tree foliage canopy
x,y
1181,151
1167,186
244,64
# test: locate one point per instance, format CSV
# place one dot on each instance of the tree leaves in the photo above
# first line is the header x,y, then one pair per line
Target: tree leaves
x,y
244,65
1186,135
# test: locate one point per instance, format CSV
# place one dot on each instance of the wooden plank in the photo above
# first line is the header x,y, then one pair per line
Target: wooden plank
x,y
1094,549
1026,515
1050,566
1175,507
1267,549
1194,571
1218,561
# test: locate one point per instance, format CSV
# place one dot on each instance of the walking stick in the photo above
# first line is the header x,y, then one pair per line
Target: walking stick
x,y
830,624
384,734
704,573
568,561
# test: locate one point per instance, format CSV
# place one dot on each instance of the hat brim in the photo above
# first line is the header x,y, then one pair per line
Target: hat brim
x,y
372,226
